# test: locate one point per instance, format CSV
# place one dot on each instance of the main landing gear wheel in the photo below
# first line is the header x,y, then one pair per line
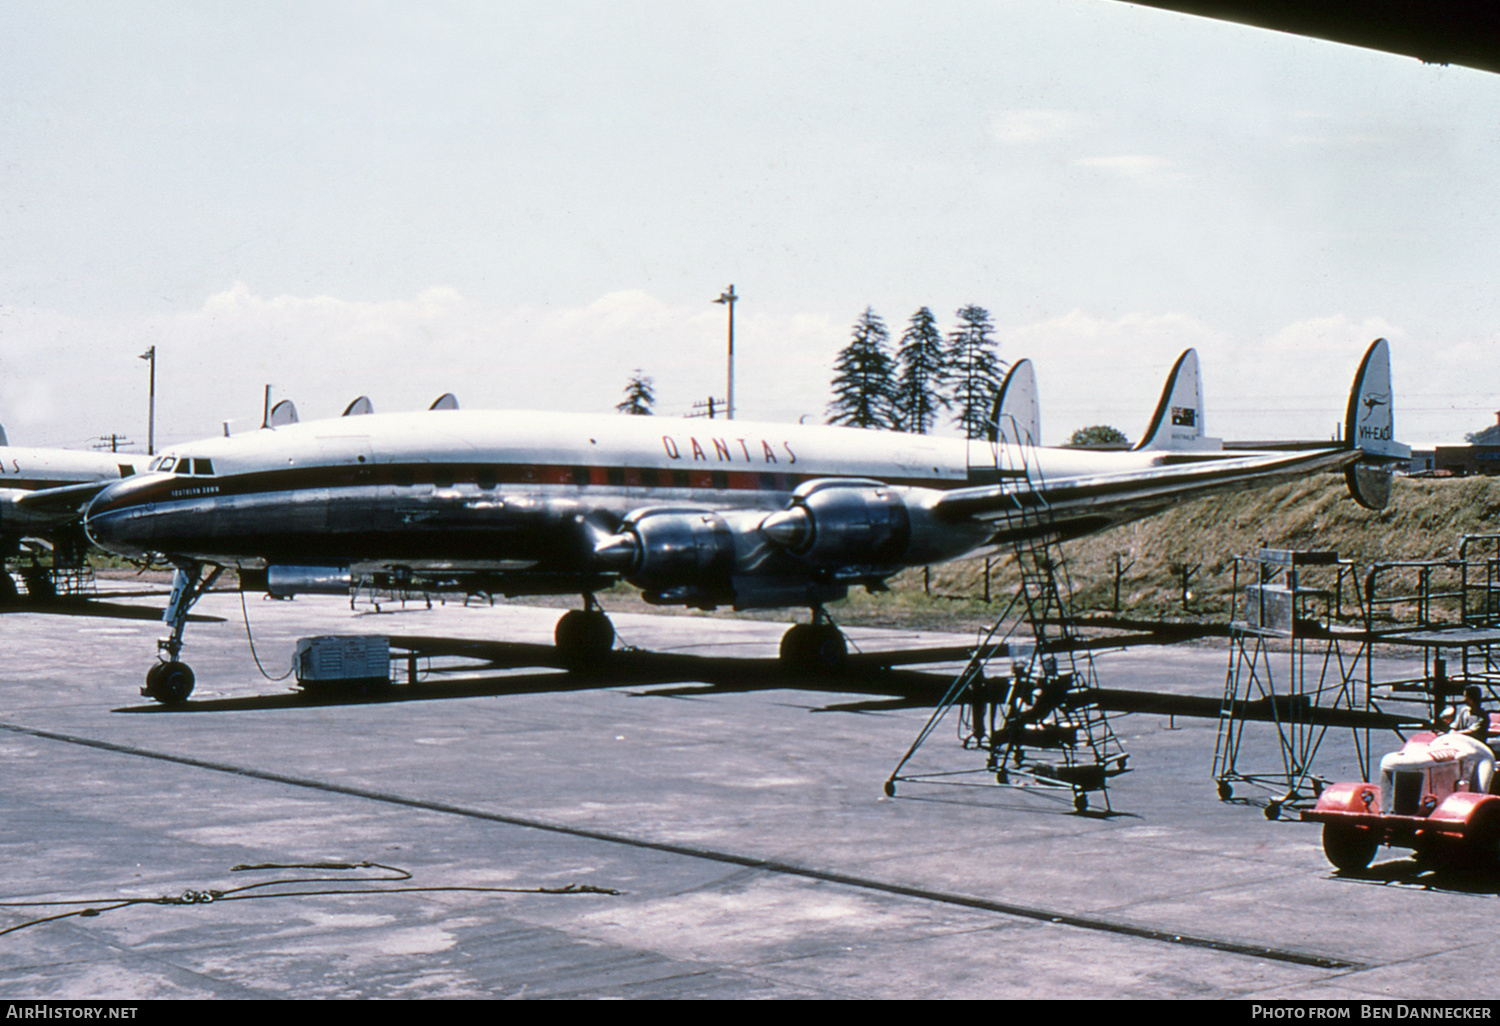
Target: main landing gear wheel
x,y
169,683
584,637
814,646
9,596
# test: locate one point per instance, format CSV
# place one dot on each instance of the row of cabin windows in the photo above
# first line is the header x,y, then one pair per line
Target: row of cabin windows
x,y
444,477
184,465
645,477
649,477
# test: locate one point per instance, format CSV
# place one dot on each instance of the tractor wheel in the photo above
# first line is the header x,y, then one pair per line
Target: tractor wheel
x,y
1350,849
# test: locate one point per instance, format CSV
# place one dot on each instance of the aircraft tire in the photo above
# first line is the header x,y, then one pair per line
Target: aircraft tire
x,y
819,647
1350,849
9,596
584,637
169,683
39,586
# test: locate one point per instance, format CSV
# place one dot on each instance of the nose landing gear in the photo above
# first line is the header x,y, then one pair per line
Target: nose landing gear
x,y
170,681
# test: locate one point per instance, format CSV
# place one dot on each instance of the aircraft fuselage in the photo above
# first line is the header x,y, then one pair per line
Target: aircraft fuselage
x,y
525,494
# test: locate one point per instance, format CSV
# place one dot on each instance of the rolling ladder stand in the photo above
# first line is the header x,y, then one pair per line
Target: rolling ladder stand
x,y
1037,719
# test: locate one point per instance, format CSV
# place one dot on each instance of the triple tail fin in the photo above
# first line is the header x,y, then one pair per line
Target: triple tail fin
x,y
1018,414
1177,424
1370,427
283,413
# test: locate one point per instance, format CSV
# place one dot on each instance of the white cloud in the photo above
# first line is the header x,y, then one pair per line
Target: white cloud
x,y
1096,370
1026,127
1141,168
66,380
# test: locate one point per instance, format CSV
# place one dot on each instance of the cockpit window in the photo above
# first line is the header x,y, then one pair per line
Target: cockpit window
x,y
203,466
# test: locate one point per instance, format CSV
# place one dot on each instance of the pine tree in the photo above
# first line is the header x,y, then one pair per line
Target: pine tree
x,y
862,386
975,372
919,387
640,395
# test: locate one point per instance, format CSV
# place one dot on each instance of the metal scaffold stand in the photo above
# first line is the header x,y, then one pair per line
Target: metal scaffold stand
x,y
1449,610
1290,662
1028,704
1303,641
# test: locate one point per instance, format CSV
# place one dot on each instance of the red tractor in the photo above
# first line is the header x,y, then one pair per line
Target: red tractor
x,y
1435,796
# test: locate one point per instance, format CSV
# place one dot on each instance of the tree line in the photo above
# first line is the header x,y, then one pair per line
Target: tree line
x,y
926,376
910,387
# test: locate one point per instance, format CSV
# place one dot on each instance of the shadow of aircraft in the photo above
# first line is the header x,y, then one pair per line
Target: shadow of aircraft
x,y
487,669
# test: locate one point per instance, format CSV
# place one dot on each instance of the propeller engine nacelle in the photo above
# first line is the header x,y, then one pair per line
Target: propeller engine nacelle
x,y
854,523
657,549
709,558
832,523
833,533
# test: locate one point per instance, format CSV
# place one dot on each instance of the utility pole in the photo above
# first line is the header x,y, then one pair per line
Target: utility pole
x,y
150,355
729,299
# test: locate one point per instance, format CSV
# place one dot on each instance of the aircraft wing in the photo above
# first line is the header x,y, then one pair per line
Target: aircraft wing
x,y
1083,504
61,500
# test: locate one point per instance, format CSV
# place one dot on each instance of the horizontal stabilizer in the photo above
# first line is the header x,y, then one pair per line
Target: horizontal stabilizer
x,y
359,407
1018,413
446,401
1177,424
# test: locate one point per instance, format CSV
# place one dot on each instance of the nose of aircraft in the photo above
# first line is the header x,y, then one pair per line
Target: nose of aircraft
x,y
118,518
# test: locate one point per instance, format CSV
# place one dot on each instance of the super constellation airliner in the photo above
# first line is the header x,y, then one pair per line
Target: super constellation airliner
x,y
695,513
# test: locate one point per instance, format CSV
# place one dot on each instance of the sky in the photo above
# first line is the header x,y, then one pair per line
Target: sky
x,y
524,202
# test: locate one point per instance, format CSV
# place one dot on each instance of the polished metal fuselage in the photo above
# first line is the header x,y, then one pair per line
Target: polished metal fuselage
x,y
530,495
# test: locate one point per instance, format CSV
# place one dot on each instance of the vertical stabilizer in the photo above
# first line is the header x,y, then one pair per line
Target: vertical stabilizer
x,y
283,413
2,436
1178,421
1370,423
359,407
1370,427
1018,414
446,401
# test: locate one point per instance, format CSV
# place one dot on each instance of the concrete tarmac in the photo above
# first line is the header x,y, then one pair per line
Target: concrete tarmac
x,y
521,832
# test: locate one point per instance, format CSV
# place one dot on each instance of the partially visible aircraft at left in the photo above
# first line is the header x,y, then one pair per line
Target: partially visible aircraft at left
x,y
42,495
